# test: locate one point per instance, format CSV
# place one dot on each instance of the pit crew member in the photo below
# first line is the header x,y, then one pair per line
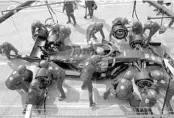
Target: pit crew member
x,y
93,29
123,89
118,21
88,71
57,73
62,32
38,30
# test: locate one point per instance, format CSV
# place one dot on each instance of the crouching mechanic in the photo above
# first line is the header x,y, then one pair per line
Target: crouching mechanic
x,y
93,29
88,71
39,30
62,32
19,79
6,48
56,73
149,99
122,88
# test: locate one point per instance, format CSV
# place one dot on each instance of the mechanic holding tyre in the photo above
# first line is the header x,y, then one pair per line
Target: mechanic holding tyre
x,y
137,35
123,89
119,30
93,29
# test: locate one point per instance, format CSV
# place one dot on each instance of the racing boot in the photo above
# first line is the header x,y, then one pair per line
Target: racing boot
x,y
106,94
68,22
62,97
92,104
24,110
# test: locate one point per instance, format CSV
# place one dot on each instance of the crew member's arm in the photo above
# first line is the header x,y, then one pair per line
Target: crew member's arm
x,y
88,34
33,28
153,27
102,34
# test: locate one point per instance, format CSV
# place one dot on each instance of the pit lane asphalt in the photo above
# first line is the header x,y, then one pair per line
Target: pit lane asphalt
x,y
75,96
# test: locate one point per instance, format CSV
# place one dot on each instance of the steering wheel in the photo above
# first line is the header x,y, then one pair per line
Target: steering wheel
x,y
110,52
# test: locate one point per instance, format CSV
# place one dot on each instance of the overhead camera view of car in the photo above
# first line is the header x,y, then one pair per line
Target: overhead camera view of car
x,y
81,58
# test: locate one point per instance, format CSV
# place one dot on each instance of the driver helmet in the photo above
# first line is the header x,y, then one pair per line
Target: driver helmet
x,y
44,64
21,69
99,51
37,23
137,27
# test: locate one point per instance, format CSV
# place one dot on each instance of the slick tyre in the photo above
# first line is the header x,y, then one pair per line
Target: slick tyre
x,y
120,32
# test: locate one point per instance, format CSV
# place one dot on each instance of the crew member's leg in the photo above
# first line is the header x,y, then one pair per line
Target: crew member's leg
x,y
69,17
90,92
7,54
60,81
73,17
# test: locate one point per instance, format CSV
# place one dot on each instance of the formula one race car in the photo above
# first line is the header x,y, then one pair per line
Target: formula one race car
x,y
73,57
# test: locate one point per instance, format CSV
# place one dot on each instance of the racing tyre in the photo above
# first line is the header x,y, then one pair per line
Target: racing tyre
x,y
120,32
136,40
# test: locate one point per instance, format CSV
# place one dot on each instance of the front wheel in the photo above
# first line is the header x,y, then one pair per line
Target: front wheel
x,y
120,32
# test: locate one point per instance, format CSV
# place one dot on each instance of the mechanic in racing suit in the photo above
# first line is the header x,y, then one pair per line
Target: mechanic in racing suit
x,y
38,30
87,73
93,29
138,31
62,32
57,73
117,21
19,79
90,5
148,99
6,48
122,88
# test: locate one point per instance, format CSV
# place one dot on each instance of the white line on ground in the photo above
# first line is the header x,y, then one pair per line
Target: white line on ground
x,y
3,63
